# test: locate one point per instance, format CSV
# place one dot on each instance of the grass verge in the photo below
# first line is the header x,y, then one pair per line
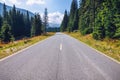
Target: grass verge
x,y
107,46
11,48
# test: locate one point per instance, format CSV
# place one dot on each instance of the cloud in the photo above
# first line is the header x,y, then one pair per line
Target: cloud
x,y
3,1
55,17
15,2
11,2
31,2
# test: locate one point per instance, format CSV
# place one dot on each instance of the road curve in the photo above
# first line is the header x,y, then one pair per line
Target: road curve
x,y
60,57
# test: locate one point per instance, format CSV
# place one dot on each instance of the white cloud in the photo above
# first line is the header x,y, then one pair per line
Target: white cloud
x,y
15,2
3,1
55,17
11,2
31,2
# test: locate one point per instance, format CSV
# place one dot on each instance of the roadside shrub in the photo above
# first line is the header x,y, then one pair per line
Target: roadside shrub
x,y
95,36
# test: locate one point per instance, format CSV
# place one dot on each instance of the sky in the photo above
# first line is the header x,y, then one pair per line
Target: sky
x,y
55,8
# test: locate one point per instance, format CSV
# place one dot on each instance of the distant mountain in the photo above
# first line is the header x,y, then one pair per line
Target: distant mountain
x,y
53,25
25,12
9,8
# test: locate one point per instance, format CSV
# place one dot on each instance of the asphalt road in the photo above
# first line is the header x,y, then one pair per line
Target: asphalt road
x,y
60,57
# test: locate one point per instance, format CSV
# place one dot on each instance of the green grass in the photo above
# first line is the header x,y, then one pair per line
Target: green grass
x,y
11,48
107,46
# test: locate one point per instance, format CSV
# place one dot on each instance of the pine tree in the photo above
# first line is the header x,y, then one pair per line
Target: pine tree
x,y
73,11
116,11
109,20
99,30
100,17
64,23
110,29
117,34
36,26
86,16
45,20
20,25
76,21
10,18
6,35
0,22
4,12
13,19
27,25
33,29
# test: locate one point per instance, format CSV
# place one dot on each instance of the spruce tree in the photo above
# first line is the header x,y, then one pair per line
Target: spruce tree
x,y
64,23
13,19
6,35
27,25
110,29
73,11
1,20
86,16
100,17
117,34
20,25
33,29
116,11
76,21
109,20
4,12
36,26
45,20
99,30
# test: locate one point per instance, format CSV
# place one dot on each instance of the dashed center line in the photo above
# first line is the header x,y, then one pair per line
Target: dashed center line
x,y
60,47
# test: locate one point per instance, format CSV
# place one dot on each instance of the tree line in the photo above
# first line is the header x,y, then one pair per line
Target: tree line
x,y
101,18
53,29
16,25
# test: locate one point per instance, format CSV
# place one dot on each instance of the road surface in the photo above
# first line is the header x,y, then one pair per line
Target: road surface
x,y
60,57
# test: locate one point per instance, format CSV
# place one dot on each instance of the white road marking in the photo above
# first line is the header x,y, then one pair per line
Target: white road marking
x,y
60,47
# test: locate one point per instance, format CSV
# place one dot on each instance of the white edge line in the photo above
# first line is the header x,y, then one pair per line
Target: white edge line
x,y
98,51
23,49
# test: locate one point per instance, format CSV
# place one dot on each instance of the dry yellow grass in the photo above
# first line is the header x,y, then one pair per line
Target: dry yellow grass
x,y
8,49
107,46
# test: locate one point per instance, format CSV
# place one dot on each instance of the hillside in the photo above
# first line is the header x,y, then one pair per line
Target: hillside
x,y
9,7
